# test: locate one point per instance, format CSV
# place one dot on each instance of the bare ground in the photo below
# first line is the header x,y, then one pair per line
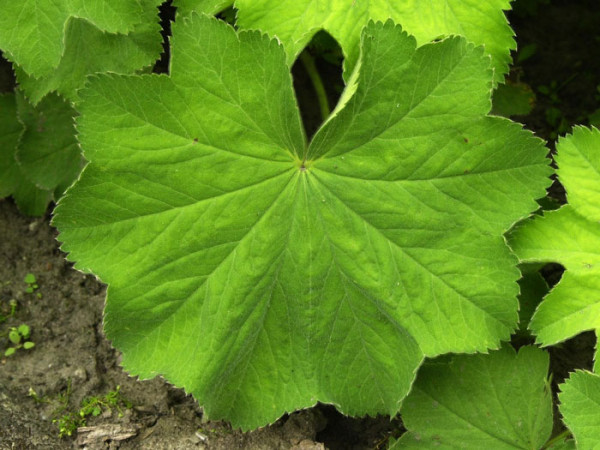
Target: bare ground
x,y
72,360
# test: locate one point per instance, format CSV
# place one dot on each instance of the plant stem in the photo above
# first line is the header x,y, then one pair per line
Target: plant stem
x,y
560,437
315,78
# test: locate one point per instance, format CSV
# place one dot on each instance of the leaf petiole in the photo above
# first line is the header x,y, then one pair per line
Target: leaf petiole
x,y
317,82
559,438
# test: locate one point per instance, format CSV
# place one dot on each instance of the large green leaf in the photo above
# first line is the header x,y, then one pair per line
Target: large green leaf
x,y
294,22
569,236
32,32
264,275
580,408
496,401
88,50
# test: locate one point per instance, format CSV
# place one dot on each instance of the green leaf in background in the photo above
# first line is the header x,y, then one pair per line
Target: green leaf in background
x,y
10,131
579,171
580,407
32,32
29,199
39,155
48,153
89,50
513,99
569,236
185,7
294,22
264,275
533,288
498,401
594,118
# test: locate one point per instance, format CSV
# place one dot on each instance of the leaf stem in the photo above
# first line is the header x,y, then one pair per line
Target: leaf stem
x,y
561,437
317,82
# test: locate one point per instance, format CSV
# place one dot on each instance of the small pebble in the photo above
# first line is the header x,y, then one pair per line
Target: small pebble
x,y
201,437
80,374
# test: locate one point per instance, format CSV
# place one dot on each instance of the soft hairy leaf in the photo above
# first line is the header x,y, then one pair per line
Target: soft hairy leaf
x,y
580,407
30,199
264,275
569,236
496,401
88,50
294,22
32,32
48,154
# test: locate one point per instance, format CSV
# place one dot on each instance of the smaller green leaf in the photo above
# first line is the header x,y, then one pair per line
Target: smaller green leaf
x,y
24,330
48,153
89,50
594,118
512,99
526,52
10,351
30,199
30,278
533,288
579,170
580,407
10,130
32,33
496,401
569,236
14,336
28,345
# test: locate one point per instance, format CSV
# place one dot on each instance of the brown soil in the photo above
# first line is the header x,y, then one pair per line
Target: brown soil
x,y
71,358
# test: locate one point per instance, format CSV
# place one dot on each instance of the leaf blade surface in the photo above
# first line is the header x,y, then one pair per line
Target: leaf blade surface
x,y
237,265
